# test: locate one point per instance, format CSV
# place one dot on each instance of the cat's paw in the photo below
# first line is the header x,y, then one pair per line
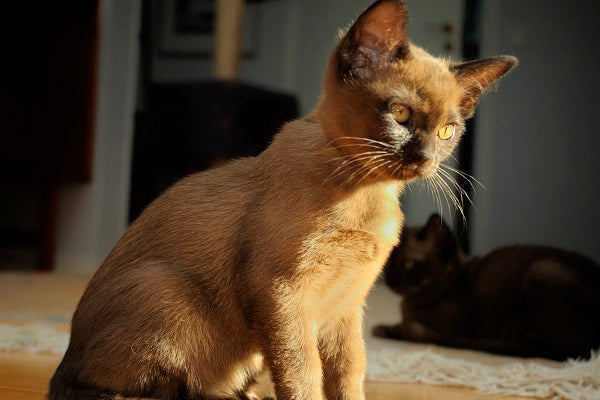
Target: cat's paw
x,y
382,331
249,396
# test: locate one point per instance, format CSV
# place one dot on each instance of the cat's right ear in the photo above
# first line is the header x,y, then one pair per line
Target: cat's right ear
x,y
378,36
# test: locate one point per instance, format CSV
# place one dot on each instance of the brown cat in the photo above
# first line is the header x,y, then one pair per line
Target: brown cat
x,y
529,301
265,262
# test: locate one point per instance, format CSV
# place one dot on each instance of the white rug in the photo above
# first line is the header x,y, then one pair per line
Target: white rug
x,y
398,361
34,338
573,380
39,324
570,380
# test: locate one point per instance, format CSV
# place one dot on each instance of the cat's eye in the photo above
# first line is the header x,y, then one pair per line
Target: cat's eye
x,y
409,264
447,131
400,112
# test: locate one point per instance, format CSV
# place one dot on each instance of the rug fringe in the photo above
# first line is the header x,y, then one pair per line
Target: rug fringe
x,y
572,380
35,338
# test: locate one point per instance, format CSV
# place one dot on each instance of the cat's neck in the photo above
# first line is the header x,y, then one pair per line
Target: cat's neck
x,y
303,158
304,150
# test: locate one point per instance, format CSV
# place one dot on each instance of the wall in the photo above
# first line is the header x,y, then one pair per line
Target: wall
x,y
94,215
536,146
273,66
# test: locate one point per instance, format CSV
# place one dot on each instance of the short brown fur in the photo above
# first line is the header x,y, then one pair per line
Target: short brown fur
x,y
264,263
526,301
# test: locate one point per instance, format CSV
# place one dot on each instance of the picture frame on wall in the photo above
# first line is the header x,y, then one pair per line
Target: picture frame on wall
x,y
187,28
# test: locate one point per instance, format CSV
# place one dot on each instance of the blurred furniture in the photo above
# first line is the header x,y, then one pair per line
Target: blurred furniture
x,y
47,99
189,127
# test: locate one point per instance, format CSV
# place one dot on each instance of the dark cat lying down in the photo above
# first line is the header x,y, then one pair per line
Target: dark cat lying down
x,y
527,301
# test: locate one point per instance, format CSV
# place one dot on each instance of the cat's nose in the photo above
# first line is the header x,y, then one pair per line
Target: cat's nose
x,y
412,155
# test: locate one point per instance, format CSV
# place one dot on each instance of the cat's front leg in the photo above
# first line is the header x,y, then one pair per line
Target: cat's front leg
x,y
389,331
289,341
406,330
343,356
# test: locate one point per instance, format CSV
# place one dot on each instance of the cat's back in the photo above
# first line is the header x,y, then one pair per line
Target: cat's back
x,y
539,299
537,273
212,191
532,262
195,219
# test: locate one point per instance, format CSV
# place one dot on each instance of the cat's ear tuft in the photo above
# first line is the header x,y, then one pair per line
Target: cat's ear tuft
x,y
478,76
378,36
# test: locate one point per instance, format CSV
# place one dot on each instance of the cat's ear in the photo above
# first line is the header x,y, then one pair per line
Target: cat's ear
x,y
435,223
477,76
441,234
378,36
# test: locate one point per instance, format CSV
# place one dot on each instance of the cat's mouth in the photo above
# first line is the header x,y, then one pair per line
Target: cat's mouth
x,y
409,173
413,170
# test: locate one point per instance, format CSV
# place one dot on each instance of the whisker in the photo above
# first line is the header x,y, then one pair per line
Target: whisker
x,y
357,158
358,155
354,167
459,188
436,194
369,145
452,196
369,140
399,165
364,167
462,192
447,196
381,164
466,176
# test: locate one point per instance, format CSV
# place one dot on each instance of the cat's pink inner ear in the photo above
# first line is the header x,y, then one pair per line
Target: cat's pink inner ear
x,y
383,27
379,35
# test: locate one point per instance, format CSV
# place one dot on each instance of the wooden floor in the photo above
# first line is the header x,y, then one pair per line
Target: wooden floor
x,y
25,376
29,298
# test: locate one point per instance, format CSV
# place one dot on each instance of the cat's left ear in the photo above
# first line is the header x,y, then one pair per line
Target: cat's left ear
x,y
378,36
477,76
436,223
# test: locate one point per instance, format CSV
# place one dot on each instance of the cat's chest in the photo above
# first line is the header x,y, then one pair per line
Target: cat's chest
x,y
347,256
375,211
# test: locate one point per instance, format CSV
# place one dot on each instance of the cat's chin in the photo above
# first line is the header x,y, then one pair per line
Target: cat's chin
x,y
425,170
408,174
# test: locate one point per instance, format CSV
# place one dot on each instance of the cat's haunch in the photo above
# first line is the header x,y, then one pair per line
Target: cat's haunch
x,y
264,263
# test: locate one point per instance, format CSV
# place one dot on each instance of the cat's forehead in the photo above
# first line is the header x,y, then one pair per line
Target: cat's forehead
x,y
422,81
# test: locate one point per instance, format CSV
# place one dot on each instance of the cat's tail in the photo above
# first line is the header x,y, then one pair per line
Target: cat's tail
x,y
63,388
71,393
80,393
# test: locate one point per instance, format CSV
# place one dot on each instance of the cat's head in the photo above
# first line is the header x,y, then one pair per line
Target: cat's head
x,y
391,108
426,255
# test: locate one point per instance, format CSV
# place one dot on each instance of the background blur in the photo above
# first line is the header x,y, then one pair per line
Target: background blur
x,y
97,93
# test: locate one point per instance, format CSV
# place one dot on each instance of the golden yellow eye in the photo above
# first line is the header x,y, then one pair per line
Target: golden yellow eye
x,y
400,112
447,132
